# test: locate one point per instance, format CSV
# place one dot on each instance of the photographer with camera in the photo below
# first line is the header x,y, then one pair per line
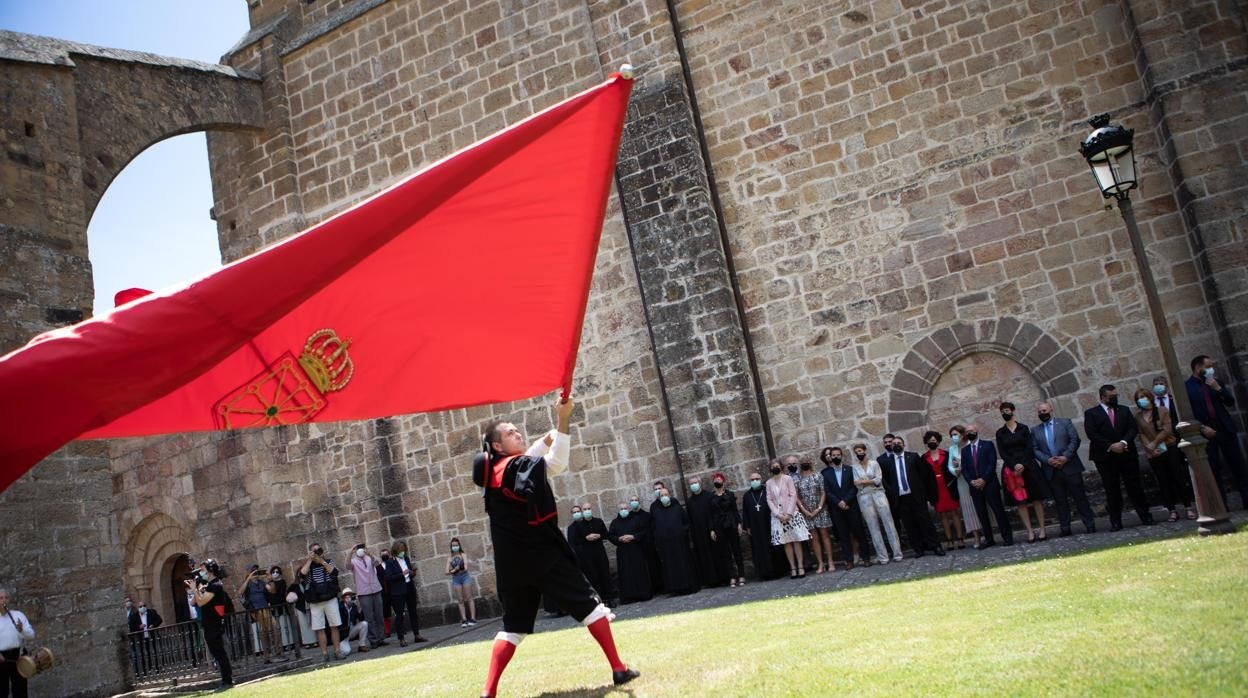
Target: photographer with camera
x,y
214,604
15,630
254,592
321,591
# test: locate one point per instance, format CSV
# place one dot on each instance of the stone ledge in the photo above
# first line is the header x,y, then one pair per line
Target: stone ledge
x,y
31,48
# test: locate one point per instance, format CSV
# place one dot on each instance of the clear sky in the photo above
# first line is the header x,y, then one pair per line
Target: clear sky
x,y
151,229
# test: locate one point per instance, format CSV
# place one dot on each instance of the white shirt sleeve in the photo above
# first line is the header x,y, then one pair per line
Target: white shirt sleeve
x,y
557,457
539,447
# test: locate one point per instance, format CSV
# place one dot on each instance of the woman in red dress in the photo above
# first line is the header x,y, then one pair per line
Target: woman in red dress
x,y
947,506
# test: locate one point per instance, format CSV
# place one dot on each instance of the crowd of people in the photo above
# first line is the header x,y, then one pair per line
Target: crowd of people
x,y
957,490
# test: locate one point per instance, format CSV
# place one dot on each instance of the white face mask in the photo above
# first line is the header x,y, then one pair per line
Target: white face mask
x,y
1209,372
359,552
142,609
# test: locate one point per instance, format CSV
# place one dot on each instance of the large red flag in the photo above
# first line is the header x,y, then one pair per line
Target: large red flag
x,y
465,284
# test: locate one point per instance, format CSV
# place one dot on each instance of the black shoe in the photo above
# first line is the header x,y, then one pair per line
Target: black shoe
x,y
985,546
420,638
918,553
1065,532
1008,542
380,643
619,678
1115,527
940,552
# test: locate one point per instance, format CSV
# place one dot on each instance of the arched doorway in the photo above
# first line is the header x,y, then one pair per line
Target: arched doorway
x,y
153,551
176,570
971,390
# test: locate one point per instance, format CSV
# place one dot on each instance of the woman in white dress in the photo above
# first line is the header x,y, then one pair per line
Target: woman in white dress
x,y
788,527
970,519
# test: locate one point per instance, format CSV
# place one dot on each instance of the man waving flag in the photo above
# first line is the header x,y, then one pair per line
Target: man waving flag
x,y
391,307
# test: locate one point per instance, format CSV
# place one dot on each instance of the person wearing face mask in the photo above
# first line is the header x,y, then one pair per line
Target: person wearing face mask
x,y
671,538
979,469
705,553
947,507
1161,448
756,520
364,565
254,591
321,588
630,533
812,504
141,621
587,534
1018,453
639,514
788,526
1057,450
1111,432
1211,403
910,486
873,503
792,463
842,503
726,531
966,505
276,590
214,605
461,584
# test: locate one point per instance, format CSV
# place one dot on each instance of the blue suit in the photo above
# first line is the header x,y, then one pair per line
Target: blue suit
x,y
1068,479
979,462
848,522
1224,446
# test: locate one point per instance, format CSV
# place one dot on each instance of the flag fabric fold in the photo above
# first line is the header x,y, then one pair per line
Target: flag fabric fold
x,y
464,284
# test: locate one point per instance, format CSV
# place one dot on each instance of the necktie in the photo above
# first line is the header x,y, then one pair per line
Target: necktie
x,y
1048,434
1113,419
901,475
975,457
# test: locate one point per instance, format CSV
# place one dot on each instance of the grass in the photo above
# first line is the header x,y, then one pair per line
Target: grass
x,y
1165,617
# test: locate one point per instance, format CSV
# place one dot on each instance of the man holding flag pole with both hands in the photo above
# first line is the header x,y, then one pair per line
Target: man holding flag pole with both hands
x,y
532,559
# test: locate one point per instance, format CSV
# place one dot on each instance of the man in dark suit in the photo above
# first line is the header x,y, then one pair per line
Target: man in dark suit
x,y
1111,444
842,493
142,621
979,467
1057,450
910,485
1210,402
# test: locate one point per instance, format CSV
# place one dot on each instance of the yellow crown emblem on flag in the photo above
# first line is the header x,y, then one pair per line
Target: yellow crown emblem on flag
x,y
325,360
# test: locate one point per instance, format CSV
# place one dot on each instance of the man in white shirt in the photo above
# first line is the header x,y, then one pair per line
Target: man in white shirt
x,y
15,630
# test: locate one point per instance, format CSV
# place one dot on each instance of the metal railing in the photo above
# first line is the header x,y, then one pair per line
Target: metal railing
x,y
254,640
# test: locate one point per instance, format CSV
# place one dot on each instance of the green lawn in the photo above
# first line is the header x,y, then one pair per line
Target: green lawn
x,y
1167,617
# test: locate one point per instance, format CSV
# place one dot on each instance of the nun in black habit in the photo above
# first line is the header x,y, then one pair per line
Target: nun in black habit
x,y
631,534
671,538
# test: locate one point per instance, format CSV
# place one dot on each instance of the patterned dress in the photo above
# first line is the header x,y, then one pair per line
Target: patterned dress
x,y
809,490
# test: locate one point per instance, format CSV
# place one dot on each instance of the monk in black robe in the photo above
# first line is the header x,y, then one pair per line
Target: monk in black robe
x,y
756,520
631,534
587,536
652,551
531,557
671,538
698,506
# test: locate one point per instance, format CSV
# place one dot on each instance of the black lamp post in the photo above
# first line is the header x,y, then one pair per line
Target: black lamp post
x,y
1108,150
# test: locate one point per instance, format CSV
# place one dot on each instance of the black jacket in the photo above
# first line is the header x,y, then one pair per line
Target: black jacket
x,y
919,476
1102,435
135,620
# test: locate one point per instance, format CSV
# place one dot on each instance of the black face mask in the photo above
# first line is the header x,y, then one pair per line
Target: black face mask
x,y
318,552
1112,401
1007,416
792,468
719,485
898,448
971,436
933,444
860,454
836,460
775,470
1044,416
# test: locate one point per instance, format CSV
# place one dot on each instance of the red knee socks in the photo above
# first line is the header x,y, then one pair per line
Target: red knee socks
x,y
499,657
601,630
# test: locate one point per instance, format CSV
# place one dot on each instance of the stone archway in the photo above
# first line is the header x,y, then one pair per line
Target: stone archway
x,y
1051,365
153,549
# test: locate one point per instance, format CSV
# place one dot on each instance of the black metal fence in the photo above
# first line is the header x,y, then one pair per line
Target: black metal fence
x,y
254,640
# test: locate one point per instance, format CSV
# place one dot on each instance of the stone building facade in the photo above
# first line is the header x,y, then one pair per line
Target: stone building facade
x,y
830,221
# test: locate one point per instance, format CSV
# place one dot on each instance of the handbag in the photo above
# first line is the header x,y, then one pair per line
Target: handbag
x,y
1014,484
322,591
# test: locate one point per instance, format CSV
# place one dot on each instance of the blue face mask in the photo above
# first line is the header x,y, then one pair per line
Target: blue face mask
x,y
587,514
665,500
695,488
756,484
623,513
576,516
634,505
1144,403
955,439
656,494
1159,390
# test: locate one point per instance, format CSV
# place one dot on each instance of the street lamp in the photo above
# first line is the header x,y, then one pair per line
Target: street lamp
x,y
1108,150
